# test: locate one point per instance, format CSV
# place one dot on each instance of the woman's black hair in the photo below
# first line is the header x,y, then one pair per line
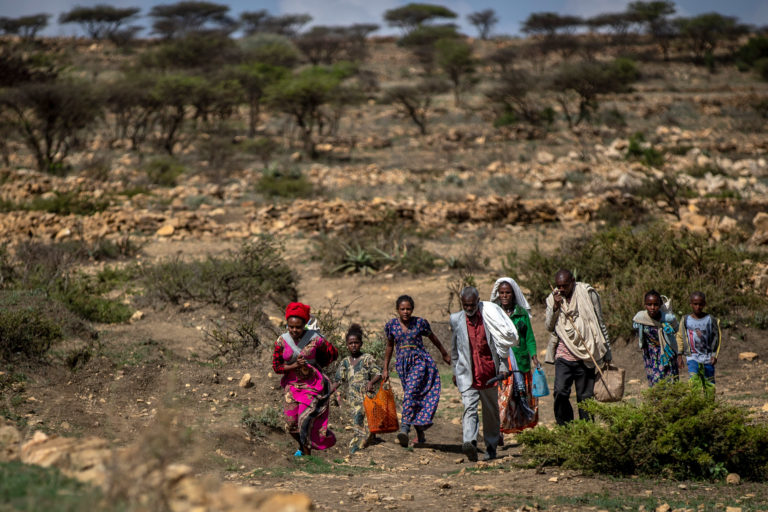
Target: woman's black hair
x,y
354,330
404,298
653,293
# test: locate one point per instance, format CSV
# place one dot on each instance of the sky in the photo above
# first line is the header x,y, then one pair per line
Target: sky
x,y
345,12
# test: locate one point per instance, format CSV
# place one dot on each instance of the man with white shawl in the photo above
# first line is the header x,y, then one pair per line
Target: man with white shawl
x,y
574,316
482,335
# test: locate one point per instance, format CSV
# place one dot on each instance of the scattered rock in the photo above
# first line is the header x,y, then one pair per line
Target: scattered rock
x,y
136,316
371,497
733,479
10,443
553,479
664,507
545,158
406,497
732,509
748,356
166,230
63,233
483,488
245,381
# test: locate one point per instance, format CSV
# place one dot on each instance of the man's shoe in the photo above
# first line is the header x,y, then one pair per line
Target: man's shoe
x,y
490,453
470,450
402,438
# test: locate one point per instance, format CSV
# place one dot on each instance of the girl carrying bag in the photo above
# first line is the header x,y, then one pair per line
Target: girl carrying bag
x,y
381,411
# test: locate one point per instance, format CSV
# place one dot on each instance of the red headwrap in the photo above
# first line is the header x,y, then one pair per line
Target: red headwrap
x,y
297,309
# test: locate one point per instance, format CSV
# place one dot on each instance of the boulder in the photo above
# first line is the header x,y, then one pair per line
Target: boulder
x,y
748,356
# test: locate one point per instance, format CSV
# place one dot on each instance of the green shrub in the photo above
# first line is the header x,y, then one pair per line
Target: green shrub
x,y
647,155
164,171
676,431
255,271
28,487
284,183
27,333
81,295
269,417
624,263
236,335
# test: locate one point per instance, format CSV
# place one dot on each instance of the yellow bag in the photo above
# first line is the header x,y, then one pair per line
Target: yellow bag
x,y
381,411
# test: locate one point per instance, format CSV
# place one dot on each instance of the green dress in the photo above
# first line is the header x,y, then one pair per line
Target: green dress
x,y
357,377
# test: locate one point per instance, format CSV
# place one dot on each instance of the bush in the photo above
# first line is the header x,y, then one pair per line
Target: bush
x,y
255,271
269,417
624,263
676,431
81,295
284,183
164,171
27,333
639,150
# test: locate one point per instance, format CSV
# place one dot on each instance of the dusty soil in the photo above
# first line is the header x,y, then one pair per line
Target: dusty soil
x,y
157,366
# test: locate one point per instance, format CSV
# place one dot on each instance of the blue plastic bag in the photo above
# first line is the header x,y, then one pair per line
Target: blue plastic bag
x,y
540,387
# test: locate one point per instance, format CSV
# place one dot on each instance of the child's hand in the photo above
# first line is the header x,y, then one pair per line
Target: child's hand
x,y
369,387
447,358
713,361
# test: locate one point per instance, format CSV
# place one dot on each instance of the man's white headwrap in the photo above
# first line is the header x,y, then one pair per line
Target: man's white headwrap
x,y
519,297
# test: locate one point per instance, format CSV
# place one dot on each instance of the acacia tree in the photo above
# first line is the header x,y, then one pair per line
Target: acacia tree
x,y
422,40
413,15
100,21
415,101
555,30
617,22
181,18
589,80
255,78
705,31
483,21
133,108
302,96
454,56
50,117
25,26
261,21
655,16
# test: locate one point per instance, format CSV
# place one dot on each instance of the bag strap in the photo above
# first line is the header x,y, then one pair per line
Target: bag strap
x,y
296,348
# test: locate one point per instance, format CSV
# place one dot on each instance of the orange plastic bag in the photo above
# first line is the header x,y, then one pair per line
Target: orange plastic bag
x,y
381,411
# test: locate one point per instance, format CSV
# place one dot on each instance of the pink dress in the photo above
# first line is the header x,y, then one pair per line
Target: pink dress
x,y
307,390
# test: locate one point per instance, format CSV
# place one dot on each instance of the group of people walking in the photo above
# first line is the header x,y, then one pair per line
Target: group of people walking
x,y
492,353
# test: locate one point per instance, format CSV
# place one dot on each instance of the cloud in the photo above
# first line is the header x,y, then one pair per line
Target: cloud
x,y
340,12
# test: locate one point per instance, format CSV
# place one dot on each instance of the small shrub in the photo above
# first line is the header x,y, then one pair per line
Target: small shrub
x,y
164,171
676,431
83,297
256,270
67,203
269,417
30,487
239,335
638,150
284,183
27,333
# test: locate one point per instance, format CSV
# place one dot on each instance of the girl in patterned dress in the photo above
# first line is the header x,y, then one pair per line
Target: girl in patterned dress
x,y
417,370
361,373
656,328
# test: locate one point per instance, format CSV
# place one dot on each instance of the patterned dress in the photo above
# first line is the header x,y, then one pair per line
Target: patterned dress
x,y
307,390
357,377
417,370
657,367
522,354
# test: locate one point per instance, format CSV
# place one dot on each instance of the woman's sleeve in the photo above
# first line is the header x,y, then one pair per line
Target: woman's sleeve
x,y
424,328
278,363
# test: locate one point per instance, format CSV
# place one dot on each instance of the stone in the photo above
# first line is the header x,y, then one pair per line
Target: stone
x,y
10,443
760,221
483,488
544,157
245,381
406,497
63,233
166,230
553,479
285,503
732,509
748,356
371,497
664,507
733,479
136,316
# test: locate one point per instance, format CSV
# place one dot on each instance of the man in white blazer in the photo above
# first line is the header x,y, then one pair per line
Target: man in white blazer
x,y
480,343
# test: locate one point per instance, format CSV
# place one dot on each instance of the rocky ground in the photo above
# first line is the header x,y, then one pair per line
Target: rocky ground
x,y
151,393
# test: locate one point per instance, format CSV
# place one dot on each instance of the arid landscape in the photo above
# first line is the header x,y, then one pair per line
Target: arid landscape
x,y
145,268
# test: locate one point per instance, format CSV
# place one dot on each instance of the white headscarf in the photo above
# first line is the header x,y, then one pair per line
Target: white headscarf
x,y
519,297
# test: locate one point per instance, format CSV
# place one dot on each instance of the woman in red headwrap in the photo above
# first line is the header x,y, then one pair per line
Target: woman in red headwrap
x,y
299,356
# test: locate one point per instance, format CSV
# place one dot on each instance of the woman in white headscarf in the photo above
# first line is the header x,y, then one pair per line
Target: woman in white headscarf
x,y
507,294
